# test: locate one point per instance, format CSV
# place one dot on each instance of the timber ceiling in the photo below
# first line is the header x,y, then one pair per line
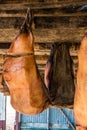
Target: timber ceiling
x,y
54,21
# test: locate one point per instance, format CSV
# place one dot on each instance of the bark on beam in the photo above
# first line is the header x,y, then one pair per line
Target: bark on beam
x,y
53,21
47,35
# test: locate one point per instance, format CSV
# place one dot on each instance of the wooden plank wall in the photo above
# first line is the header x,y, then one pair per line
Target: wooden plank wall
x,y
54,21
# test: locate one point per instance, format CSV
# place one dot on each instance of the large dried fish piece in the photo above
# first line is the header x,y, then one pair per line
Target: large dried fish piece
x,y
59,77
27,90
80,101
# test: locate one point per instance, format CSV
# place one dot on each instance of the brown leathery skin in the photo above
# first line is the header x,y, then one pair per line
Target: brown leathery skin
x,y
27,90
58,76
80,128
46,74
80,100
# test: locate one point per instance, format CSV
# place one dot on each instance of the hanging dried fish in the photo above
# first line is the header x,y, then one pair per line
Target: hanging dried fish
x,y
59,77
27,90
80,101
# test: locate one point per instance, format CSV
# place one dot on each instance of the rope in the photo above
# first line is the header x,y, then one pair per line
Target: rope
x,y
16,55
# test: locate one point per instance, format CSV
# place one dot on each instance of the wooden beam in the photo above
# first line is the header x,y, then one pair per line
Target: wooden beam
x,y
11,22
47,35
59,34
34,1
45,22
59,14
60,21
40,12
18,1
47,4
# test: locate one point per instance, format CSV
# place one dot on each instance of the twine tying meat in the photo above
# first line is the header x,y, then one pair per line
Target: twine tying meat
x,y
16,55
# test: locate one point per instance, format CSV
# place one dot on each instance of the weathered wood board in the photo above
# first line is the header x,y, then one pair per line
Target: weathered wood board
x,y
54,21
